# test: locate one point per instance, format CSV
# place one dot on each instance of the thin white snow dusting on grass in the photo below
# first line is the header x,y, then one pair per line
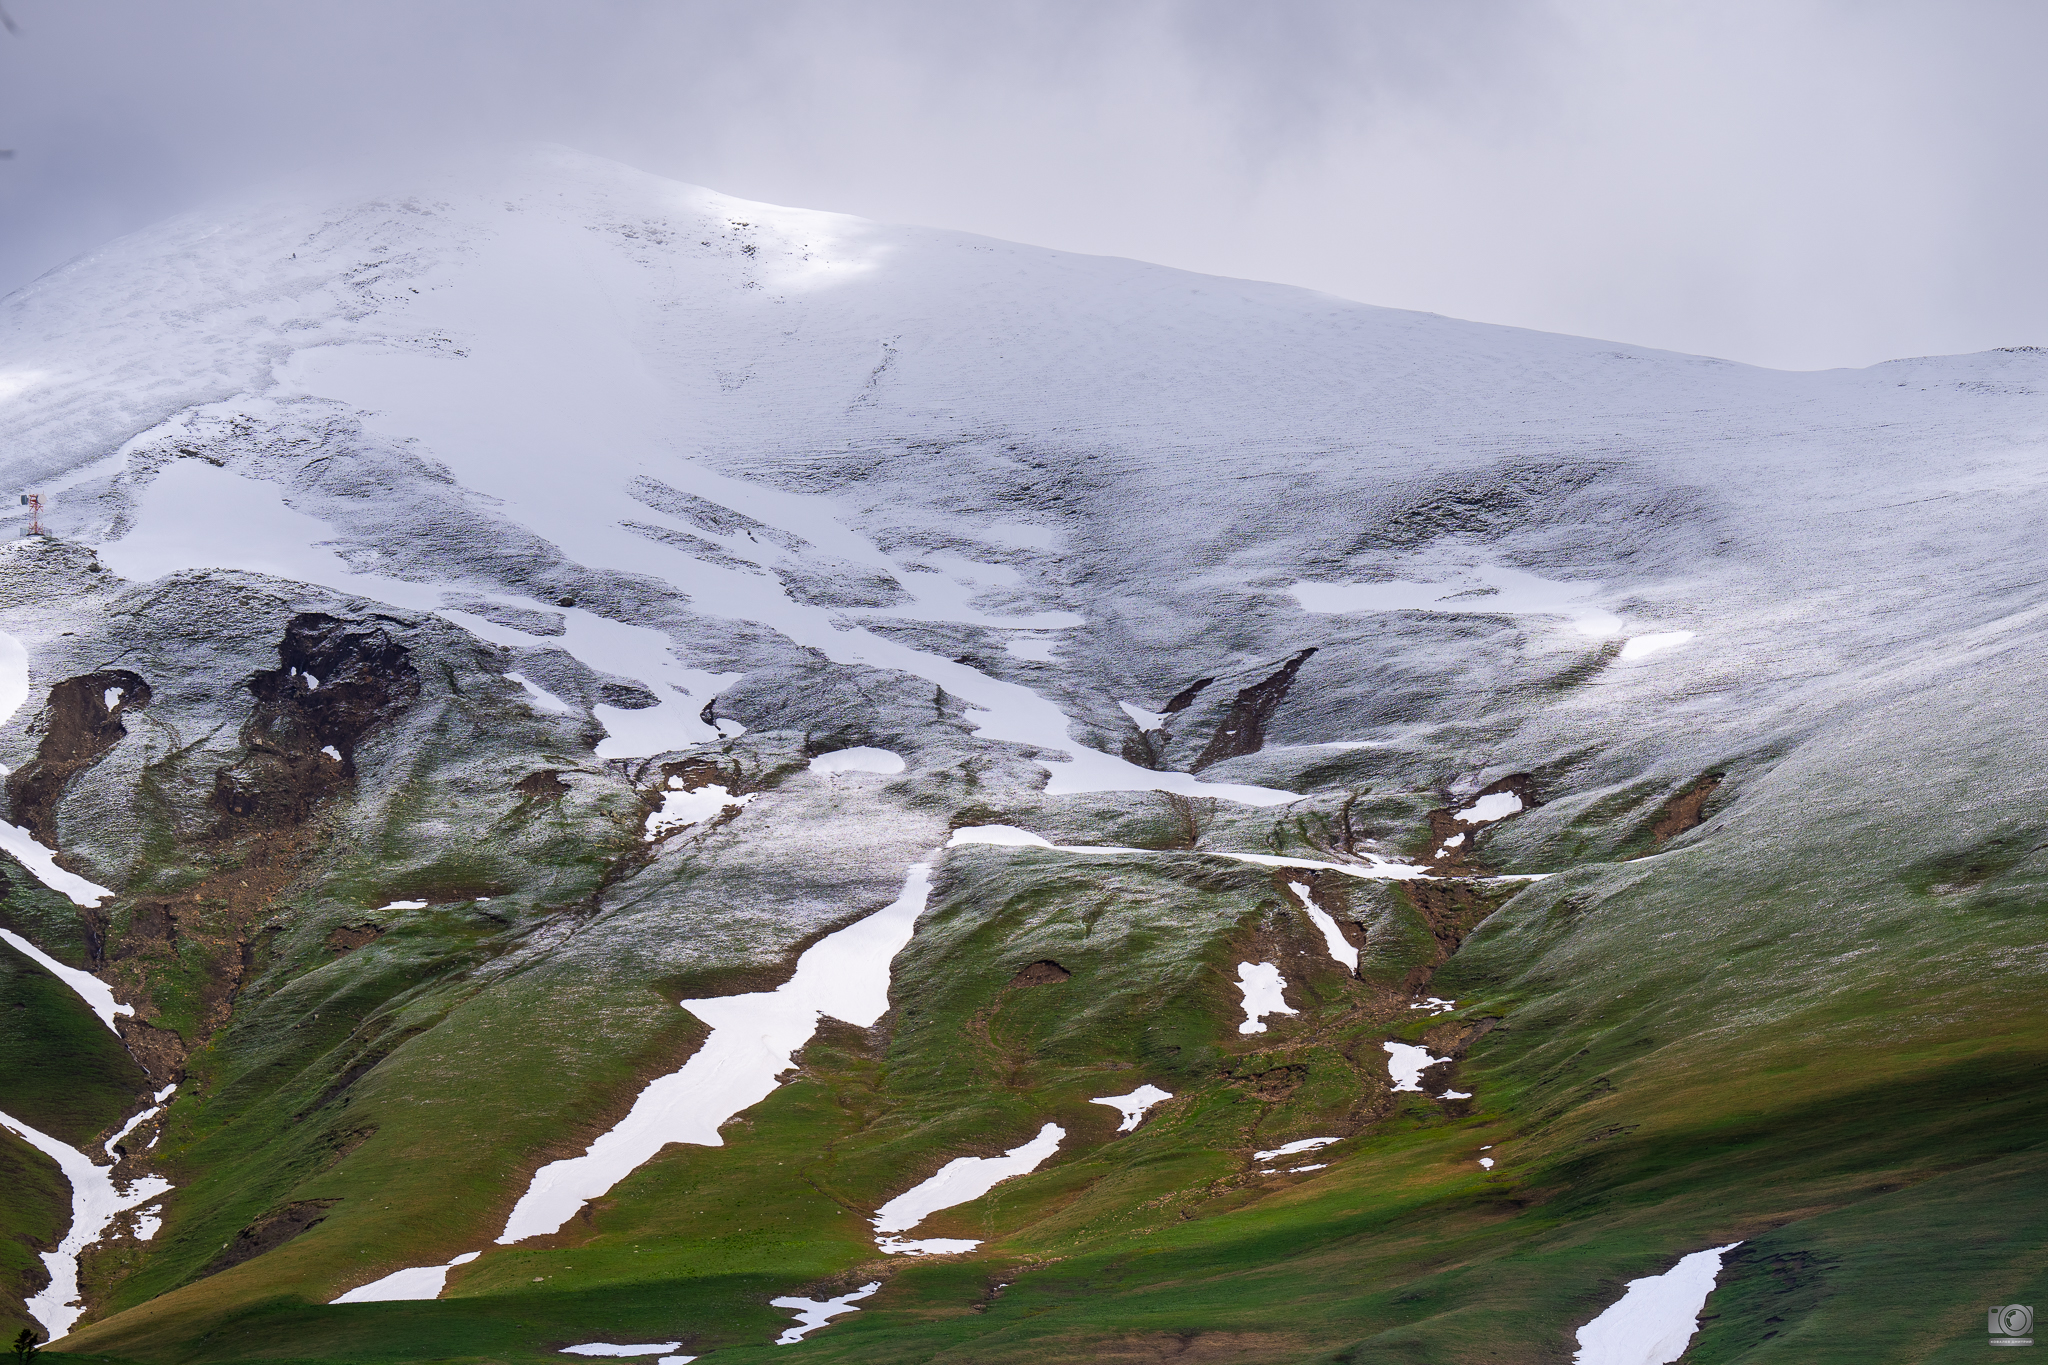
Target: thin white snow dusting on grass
x,y
1484,590
42,865
1407,1064
1009,836
417,1282
680,809
754,1039
95,1202
1299,1145
811,1314
1643,645
539,697
958,1181
861,759
97,995
1493,806
1654,1321
1262,985
606,1348
1341,949
1134,1105
1143,719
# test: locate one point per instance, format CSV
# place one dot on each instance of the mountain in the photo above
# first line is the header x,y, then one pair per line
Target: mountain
x,y
597,765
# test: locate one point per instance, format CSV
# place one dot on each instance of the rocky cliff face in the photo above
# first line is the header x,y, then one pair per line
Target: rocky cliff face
x,y
1442,820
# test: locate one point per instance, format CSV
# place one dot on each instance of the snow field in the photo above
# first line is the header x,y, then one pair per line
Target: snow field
x,y
1009,836
1262,985
1652,1323
1482,589
957,1182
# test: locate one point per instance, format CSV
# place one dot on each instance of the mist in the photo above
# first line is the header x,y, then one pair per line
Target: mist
x,y
1802,184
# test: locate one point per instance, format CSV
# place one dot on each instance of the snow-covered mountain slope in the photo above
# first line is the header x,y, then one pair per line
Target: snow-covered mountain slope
x,y
484,615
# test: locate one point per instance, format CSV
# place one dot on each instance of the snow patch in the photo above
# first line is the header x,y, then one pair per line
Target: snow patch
x,y
1653,1322
1036,649
111,698
403,905
1486,1163
1493,806
1262,985
857,760
681,809
539,697
1001,836
1407,1065
331,752
811,1314
1134,1105
1143,719
958,1181
754,1039
1341,949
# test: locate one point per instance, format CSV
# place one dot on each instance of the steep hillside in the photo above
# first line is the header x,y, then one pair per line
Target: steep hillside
x,y
573,741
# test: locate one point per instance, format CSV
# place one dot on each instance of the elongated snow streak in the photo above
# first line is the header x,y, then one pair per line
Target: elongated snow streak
x,y
1009,836
415,1282
958,1181
42,865
1407,1063
1654,1321
754,1039
97,995
1134,1105
95,1202
811,1314
1262,985
606,1348
1341,949
1290,1148
539,697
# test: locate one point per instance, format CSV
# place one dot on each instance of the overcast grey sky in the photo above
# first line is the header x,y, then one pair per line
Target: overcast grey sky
x,y
1802,183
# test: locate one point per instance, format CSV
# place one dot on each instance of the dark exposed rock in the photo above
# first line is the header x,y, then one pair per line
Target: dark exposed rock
x,y
1243,730
79,728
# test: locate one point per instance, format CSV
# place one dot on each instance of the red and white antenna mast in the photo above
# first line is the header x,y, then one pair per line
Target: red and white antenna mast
x,y
34,503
